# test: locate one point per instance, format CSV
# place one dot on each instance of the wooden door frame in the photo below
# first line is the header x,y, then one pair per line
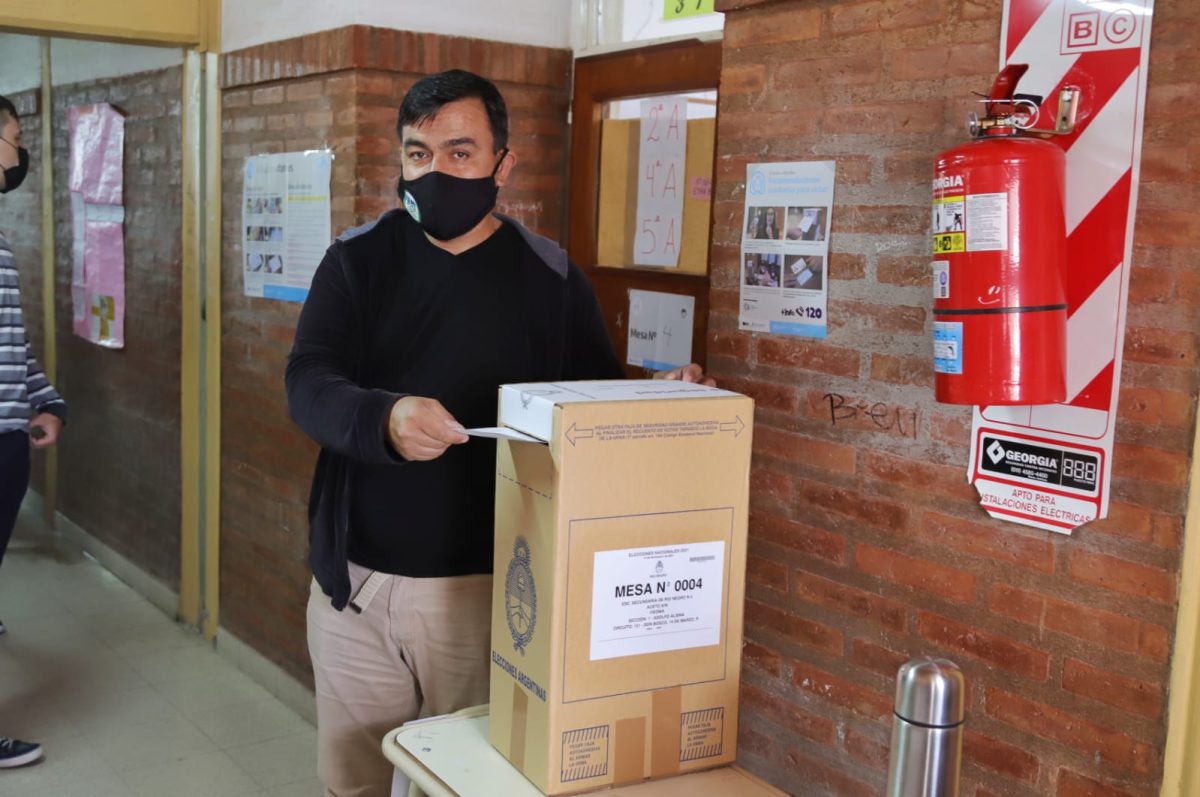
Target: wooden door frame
x,y
676,67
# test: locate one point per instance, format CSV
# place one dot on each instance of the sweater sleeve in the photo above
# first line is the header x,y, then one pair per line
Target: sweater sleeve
x,y
324,399
42,395
591,354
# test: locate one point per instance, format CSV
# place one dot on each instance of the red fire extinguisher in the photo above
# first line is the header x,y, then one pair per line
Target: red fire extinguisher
x,y
999,243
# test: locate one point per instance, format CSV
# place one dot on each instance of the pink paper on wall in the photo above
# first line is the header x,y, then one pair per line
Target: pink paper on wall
x,y
96,183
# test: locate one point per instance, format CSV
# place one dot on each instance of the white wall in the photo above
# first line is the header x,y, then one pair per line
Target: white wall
x,y
538,22
74,61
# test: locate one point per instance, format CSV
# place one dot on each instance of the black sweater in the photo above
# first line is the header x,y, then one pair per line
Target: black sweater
x,y
390,315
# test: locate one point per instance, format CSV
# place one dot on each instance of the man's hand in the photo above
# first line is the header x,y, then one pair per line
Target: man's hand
x,y
44,430
421,429
688,373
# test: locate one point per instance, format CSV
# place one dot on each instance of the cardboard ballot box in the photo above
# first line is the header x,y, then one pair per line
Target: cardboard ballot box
x,y
620,574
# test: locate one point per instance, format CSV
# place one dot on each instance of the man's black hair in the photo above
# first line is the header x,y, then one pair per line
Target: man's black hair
x,y
429,94
7,110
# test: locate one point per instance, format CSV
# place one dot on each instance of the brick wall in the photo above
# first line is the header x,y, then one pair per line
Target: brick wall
x,y
119,457
867,546
341,89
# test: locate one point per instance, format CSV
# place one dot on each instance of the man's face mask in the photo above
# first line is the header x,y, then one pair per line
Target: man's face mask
x,y
14,176
447,206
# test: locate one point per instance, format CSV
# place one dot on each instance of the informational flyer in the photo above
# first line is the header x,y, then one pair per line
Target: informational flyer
x,y
286,224
651,600
785,247
660,329
1049,466
662,155
96,182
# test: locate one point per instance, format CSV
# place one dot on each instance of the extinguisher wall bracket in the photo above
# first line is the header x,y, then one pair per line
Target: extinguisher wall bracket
x,y
1010,114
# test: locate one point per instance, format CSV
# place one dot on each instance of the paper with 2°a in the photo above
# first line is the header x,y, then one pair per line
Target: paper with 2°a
x,y
504,433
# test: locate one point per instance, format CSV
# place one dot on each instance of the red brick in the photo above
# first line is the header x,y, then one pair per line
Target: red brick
x,y
1003,544
1073,785
1160,346
829,70
945,582
1150,285
780,710
1113,747
876,219
1154,642
876,512
877,658
820,357
849,600
827,779
770,490
772,27
1000,757
750,78
941,61
750,741
841,692
998,650
763,572
866,750
854,413
943,481
797,629
833,457
729,344
879,15
1143,462
902,370
1129,694
1020,605
765,125
1155,407
882,317
1166,227
761,658
906,271
766,395
847,266
799,537
1120,575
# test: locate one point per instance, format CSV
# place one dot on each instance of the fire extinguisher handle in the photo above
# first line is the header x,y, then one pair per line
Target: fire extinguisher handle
x,y
1006,82
1036,99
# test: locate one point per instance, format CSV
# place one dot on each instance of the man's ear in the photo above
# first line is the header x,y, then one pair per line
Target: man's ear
x,y
506,166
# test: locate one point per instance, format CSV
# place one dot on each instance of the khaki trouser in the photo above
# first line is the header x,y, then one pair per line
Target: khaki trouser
x,y
419,648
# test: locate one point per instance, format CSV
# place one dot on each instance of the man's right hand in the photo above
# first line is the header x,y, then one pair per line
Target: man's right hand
x,y
421,429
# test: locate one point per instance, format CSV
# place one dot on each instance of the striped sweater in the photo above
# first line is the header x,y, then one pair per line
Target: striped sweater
x,y
24,389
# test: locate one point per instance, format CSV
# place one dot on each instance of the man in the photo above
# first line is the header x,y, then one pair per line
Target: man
x,y
28,404
411,324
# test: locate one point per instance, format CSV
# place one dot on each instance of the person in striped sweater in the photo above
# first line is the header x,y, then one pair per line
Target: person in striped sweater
x,y
31,412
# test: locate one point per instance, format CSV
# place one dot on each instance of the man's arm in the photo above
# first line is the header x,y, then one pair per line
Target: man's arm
x,y
50,411
323,397
326,401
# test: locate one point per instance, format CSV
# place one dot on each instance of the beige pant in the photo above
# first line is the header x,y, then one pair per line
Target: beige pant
x,y
418,649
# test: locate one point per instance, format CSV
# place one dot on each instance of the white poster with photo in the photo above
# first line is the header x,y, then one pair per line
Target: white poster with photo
x,y
286,224
785,248
660,329
662,153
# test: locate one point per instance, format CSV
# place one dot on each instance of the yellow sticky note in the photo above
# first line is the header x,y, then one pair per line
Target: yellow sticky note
x,y
677,9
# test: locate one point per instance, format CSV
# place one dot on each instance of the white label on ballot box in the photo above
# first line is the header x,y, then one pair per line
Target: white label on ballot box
x,y
651,600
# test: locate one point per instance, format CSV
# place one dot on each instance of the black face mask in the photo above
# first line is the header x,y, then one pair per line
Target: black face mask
x,y
16,175
447,206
